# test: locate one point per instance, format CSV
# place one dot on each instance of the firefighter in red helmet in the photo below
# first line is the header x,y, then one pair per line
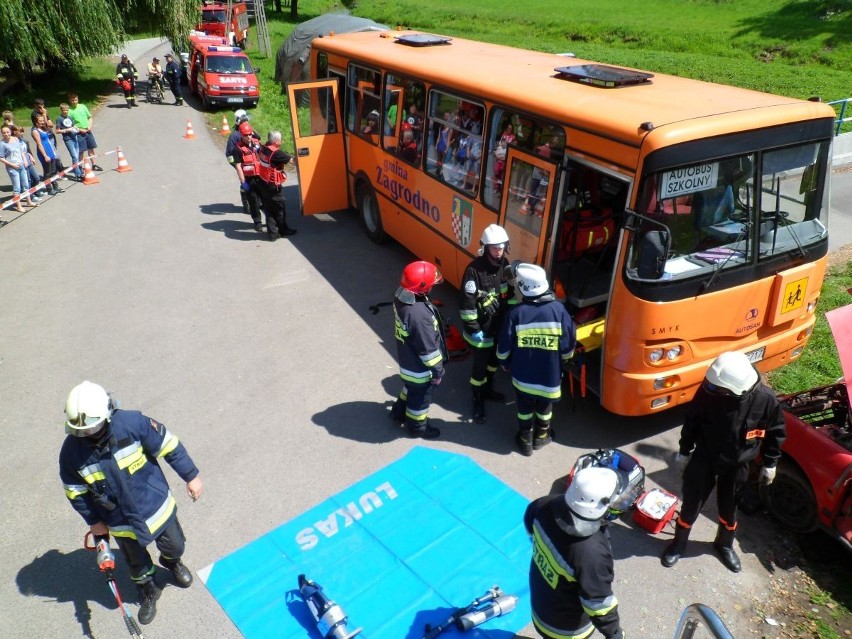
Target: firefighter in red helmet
x,y
245,159
421,349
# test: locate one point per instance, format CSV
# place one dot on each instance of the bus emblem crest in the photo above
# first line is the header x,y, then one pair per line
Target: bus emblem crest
x,y
462,219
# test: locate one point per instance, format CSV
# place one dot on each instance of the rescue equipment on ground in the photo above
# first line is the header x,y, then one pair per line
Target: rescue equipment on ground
x,y
328,615
630,473
655,509
106,564
494,603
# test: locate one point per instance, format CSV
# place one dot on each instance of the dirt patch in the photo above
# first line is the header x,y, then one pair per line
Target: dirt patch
x,y
810,590
840,257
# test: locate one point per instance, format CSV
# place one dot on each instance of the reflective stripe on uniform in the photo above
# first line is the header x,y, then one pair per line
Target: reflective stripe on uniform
x,y
170,442
468,314
547,559
75,490
415,377
122,531
550,631
92,473
155,521
548,392
599,607
432,359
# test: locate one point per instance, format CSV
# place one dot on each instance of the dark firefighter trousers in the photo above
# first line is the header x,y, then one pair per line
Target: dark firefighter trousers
x,y
484,365
699,479
171,543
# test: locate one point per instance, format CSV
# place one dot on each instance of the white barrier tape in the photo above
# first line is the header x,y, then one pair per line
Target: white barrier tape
x,y
59,175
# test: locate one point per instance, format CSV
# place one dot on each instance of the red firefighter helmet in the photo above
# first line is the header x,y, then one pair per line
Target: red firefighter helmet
x,y
245,128
420,277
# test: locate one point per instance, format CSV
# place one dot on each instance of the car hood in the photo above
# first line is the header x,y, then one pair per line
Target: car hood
x,y
840,321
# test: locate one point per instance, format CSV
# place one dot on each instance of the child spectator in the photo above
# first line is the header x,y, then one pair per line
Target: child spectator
x,y
46,152
10,155
65,127
29,163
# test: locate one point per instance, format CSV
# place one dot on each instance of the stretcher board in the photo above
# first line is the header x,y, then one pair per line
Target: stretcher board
x,y
400,549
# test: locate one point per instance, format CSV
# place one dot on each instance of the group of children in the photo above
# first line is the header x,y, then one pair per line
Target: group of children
x,y
74,124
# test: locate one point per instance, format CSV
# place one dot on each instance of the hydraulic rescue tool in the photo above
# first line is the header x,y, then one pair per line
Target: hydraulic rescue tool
x,y
493,603
106,563
329,617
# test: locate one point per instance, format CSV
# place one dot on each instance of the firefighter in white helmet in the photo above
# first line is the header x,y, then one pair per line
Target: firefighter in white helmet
x,y
572,571
536,342
733,418
109,468
486,293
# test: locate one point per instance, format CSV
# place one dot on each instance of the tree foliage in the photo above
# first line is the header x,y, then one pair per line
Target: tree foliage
x,y
56,34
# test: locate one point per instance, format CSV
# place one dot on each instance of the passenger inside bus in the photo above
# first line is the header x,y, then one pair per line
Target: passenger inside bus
x,y
372,124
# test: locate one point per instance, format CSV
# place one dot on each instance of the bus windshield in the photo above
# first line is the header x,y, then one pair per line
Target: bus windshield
x,y
735,210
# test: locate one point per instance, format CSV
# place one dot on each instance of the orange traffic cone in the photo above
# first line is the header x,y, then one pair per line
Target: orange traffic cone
x,y
190,134
89,176
226,130
123,166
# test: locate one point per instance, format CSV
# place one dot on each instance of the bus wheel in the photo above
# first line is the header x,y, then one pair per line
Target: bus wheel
x,y
368,207
790,499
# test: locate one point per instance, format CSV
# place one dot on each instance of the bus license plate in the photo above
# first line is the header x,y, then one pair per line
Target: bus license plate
x,y
235,99
756,355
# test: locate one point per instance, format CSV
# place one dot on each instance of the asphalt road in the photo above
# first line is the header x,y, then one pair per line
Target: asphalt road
x,y
265,360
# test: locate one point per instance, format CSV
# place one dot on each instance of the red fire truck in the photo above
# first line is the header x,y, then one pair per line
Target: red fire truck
x,y
229,20
221,75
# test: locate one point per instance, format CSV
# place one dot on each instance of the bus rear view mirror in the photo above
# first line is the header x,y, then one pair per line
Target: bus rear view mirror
x,y
653,250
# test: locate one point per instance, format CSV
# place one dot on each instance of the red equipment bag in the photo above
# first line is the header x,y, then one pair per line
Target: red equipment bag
x,y
655,509
125,84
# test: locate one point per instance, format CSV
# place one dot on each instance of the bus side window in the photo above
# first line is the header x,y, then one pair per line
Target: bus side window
x,y
363,99
454,141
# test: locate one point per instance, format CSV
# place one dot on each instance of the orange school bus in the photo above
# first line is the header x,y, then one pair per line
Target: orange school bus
x,y
677,218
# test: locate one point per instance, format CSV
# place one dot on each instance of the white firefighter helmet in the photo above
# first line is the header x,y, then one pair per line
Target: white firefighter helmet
x,y
732,372
591,492
494,234
531,280
240,115
87,408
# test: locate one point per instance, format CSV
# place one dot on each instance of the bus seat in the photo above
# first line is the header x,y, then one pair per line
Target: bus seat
x,y
586,230
591,334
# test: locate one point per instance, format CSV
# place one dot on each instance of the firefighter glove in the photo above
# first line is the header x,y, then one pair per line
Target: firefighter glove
x,y
680,462
245,186
767,476
478,336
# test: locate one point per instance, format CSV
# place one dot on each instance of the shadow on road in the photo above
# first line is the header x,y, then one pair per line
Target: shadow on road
x,y
220,208
73,578
236,229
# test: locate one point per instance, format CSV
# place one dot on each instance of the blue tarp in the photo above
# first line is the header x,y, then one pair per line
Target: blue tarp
x,y
400,549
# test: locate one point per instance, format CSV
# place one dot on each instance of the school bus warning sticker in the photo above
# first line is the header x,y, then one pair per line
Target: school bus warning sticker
x,y
794,295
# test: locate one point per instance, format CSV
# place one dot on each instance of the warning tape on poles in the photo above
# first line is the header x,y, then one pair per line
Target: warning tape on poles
x,y
59,175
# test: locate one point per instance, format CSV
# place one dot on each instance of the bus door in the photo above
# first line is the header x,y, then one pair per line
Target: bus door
x,y
528,191
318,137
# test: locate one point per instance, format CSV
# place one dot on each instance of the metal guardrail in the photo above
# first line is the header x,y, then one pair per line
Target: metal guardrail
x,y
697,615
841,117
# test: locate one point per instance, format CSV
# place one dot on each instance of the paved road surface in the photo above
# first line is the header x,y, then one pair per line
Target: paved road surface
x,y
265,360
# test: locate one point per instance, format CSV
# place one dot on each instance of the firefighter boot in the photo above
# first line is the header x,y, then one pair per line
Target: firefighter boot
x,y
397,411
488,391
675,549
724,547
182,575
524,439
542,435
478,406
148,595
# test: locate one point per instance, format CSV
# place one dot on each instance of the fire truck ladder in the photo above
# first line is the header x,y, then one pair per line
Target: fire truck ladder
x,y
263,45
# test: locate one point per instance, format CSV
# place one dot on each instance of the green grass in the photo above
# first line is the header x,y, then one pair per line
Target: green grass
x,y
818,364
87,79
